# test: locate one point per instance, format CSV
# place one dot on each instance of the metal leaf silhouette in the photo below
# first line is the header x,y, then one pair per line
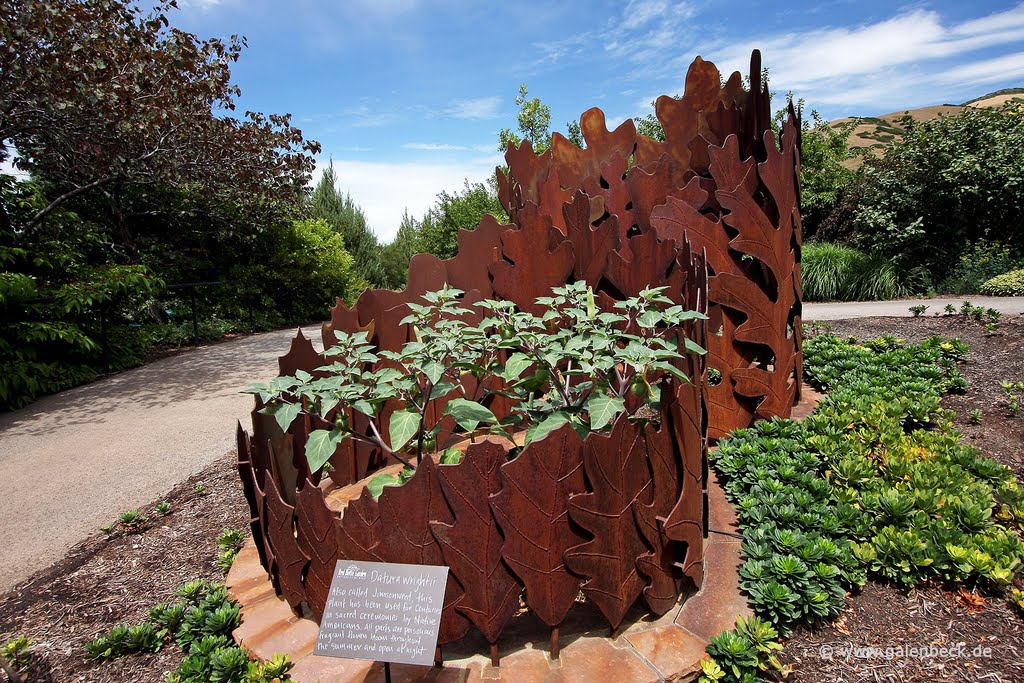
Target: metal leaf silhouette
x,y
616,466
360,529
317,538
540,258
532,508
247,474
405,513
685,521
592,244
290,560
658,565
471,544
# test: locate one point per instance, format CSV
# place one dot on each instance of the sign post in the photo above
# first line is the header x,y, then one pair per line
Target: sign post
x,y
383,612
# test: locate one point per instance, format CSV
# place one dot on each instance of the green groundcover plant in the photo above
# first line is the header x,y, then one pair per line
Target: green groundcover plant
x,y
1007,284
874,483
200,624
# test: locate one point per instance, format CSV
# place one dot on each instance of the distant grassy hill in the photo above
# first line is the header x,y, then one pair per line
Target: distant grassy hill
x,y
873,134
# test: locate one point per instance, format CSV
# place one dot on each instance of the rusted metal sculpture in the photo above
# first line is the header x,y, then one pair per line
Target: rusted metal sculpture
x,y
711,213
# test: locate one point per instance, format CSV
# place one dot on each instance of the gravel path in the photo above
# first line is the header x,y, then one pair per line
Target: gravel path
x,y
71,462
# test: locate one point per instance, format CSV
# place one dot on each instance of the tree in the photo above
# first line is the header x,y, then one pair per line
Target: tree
x,y
534,120
395,256
439,231
823,177
347,219
950,180
100,97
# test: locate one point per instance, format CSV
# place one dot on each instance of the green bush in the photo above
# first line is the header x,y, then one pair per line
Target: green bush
x,y
835,272
1007,284
921,203
980,262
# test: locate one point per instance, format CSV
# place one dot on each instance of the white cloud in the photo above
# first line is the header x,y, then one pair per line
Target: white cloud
x,y
640,12
987,71
385,190
476,108
896,60
433,147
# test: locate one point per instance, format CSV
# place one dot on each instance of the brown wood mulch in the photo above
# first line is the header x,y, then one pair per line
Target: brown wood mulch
x,y
115,579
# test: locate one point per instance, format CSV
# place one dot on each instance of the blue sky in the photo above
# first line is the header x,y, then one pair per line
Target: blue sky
x,y
408,96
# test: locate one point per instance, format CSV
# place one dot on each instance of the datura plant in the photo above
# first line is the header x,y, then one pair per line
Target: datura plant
x,y
574,364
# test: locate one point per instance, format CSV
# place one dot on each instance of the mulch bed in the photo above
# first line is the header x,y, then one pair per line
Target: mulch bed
x,y
114,579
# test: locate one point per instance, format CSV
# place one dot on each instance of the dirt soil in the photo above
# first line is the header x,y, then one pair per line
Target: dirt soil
x,y
114,579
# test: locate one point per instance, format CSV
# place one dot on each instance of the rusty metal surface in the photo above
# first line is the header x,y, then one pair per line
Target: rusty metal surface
x,y
710,212
316,533
471,544
532,508
620,477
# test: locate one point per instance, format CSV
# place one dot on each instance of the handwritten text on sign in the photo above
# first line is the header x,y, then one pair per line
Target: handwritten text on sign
x,y
384,612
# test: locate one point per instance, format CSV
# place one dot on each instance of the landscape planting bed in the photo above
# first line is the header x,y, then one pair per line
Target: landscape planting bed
x,y
109,580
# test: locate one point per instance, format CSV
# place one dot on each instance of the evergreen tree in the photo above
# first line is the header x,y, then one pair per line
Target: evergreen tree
x,y
396,255
347,219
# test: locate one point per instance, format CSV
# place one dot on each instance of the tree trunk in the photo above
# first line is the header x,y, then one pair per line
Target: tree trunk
x,y
120,220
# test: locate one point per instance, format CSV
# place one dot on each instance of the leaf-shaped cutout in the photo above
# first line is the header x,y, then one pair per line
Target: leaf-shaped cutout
x,y
317,537
301,356
247,474
658,566
591,244
478,249
685,522
617,469
290,560
343,319
575,164
646,264
532,508
611,184
536,266
471,544
405,513
360,529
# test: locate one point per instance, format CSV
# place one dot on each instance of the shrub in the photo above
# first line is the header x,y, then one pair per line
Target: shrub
x,y
922,202
1007,284
834,272
981,261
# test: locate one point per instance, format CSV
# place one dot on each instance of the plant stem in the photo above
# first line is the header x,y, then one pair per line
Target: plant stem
x,y
380,442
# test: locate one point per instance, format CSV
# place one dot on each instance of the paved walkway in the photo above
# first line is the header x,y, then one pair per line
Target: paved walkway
x,y
1008,305
71,462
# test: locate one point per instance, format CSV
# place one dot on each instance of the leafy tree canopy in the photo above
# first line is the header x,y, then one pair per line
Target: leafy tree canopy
x,y
102,94
534,121
395,256
950,180
439,231
347,219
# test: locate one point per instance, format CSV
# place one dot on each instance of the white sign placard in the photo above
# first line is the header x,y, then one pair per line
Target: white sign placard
x,y
383,611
